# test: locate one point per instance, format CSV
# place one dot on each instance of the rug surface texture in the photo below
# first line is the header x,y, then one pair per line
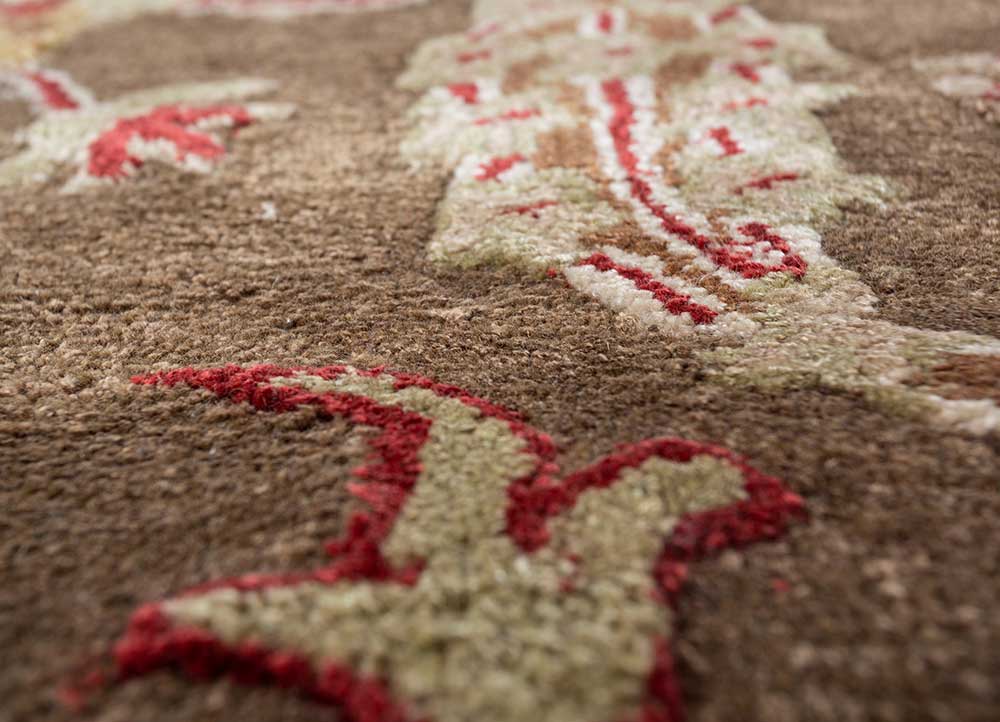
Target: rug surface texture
x,y
499,361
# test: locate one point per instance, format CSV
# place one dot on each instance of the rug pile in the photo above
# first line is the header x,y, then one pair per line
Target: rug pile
x,y
508,360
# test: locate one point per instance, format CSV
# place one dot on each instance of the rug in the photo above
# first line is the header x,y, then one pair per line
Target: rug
x,y
509,360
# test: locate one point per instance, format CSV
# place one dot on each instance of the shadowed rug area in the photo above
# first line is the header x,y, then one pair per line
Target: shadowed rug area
x,y
503,360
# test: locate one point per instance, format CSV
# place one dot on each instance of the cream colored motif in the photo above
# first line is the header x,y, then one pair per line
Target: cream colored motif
x,y
974,76
488,632
656,134
68,135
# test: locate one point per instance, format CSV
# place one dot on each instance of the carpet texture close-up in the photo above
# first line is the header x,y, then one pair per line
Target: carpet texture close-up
x,y
499,360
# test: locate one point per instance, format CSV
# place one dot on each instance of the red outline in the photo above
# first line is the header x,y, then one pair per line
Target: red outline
x,y
516,114
747,71
767,182
762,233
151,642
606,22
109,155
724,137
724,252
54,95
672,301
529,208
494,167
725,14
466,92
751,102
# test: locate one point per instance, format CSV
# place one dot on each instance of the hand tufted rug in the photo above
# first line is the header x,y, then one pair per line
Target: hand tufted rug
x,y
505,360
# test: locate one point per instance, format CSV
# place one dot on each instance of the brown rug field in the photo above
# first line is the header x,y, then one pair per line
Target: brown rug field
x,y
499,361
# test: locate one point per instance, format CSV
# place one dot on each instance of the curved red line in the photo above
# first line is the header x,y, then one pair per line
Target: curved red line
x,y
767,182
54,95
722,251
672,301
727,143
491,169
152,642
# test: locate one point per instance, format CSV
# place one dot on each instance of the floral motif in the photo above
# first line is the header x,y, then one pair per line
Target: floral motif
x,y
662,160
473,582
109,141
680,120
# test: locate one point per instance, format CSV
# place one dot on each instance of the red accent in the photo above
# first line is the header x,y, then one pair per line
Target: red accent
x,y
605,21
390,474
471,57
540,445
746,71
55,96
780,586
531,208
764,515
469,92
510,115
761,233
768,509
109,154
993,93
725,14
492,169
763,43
663,687
767,182
723,252
724,138
30,8
752,102
152,643
620,52
388,482
674,302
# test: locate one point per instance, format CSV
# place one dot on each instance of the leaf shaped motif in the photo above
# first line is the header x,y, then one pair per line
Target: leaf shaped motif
x,y
477,581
